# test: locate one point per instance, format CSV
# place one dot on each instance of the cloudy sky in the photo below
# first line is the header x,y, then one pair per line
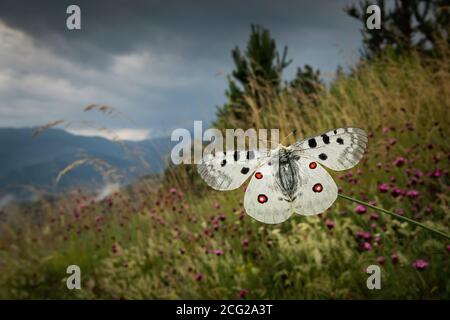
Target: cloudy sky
x,y
162,63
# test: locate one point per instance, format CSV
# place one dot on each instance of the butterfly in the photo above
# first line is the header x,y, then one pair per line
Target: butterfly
x,y
287,180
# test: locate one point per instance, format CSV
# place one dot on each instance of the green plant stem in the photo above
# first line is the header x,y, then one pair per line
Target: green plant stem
x,y
397,216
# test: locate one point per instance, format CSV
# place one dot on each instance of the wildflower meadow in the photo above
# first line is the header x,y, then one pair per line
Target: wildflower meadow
x,y
171,237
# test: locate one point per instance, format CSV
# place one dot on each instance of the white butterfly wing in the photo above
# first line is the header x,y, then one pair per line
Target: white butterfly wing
x,y
317,190
338,149
263,199
228,170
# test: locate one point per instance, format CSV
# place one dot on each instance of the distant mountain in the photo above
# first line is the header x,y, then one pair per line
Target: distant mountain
x,y
27,162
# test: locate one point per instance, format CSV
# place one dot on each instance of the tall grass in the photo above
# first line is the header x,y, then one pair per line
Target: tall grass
x,y
177,243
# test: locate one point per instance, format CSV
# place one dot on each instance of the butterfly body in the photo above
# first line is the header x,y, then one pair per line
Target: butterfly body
x,y
287,173
289,179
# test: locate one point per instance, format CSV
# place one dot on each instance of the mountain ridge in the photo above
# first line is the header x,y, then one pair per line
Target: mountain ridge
x,y
27,161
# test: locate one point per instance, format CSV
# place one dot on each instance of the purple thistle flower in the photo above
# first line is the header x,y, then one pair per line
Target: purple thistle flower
x,y
360,209
173,190
364,234
374,216
400,161
394,258
436,173
420,264
329,223
412,194
218,252
242,293
381,259
448,248
198,277
395,192
366,246
383,187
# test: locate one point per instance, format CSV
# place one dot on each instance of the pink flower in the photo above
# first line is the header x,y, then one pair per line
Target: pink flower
x,y
420,264
436,173
218,252
381,259
394,258
364,234
329,223
173,190
360,209
395,192
448,248
198,277
374,216
412,194
418,174
400,212
245,243
400,161
392,141
242,293
216,205
383,187
366,246
385,130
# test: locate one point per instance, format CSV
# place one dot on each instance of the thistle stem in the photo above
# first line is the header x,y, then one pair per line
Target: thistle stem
x,y
397,216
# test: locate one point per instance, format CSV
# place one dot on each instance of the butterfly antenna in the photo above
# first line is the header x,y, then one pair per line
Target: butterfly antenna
x,y
293,132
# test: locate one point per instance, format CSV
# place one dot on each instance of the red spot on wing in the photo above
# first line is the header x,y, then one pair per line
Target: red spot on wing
x,y
317,187
313,165
258,175
262,198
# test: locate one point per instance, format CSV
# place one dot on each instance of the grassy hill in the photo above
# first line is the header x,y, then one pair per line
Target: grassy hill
x,y
145,242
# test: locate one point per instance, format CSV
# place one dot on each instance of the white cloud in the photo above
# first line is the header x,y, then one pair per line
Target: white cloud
x,y
122,134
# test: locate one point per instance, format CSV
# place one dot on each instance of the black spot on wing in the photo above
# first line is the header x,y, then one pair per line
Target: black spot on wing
x,y
326,139
250,155
224,162
323,156
236,156
340,140
312,143
245,170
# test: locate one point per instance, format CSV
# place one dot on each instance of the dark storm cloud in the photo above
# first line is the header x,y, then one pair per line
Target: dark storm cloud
x,y
165,54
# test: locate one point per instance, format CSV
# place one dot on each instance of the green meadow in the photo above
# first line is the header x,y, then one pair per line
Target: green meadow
x,y
174,238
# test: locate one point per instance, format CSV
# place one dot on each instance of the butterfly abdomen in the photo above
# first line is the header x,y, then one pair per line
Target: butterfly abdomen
x,y
288,175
